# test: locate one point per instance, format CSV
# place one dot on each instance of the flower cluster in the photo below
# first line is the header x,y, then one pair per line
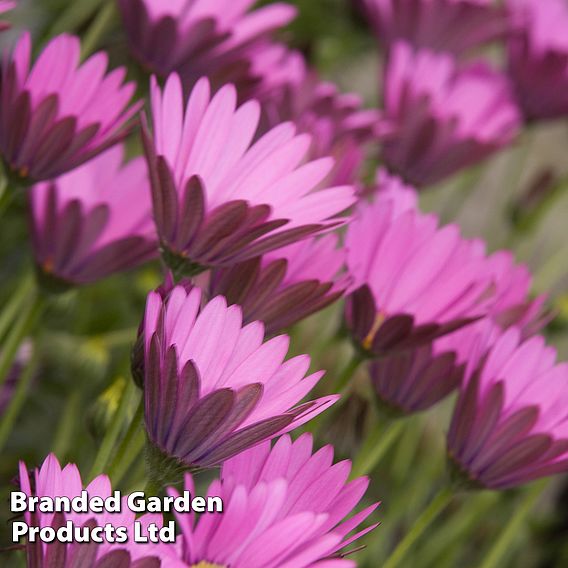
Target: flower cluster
x,y
236,193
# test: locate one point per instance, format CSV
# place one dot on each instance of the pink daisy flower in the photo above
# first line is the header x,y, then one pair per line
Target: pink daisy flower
x,y
538,57
52,481
218,197
93,221
413,281
339,125
510,424
284,508
439,118
416,379
454,26
58,113
212,387
199,38
284,286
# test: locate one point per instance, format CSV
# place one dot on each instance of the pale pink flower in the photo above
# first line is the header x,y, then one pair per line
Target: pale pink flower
x,y
285,507
212,387
440,118
220,198
52,481
538,57
285,285
454,26
93,221
510,424
198,38
58,113
413,280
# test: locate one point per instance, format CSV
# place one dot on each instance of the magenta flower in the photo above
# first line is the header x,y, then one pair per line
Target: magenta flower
x,y
510,424
337,122
212,387
52,481
5,6
284,286
218,197
538,57
439,118
413,281
93,221
416,379
284,508
454,26
59,113
201,38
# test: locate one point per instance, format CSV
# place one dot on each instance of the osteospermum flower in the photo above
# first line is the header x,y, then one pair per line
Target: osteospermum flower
x,y
337,122
52,481
284,507
212,387
454,26
57,113
220,199
510,424
93,221
201,38
416,379
538,57
284,286
439,118
413,281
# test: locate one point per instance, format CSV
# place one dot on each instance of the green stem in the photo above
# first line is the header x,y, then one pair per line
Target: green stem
x,y
341,386
376,445
67,424
113,431
130,447
457,528
26,320
15,303
17,401
76,14
429,515
345,376
513,528
100,25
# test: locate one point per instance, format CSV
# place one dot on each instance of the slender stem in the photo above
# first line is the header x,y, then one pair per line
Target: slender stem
x,y
439,503
15,303
76,14
455,529
66,426
100,25
130,447
113,431
23,325
511,531
17,400
345,376
376,445
342,386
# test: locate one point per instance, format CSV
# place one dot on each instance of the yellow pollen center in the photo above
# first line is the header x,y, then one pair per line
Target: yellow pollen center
x,y
204,564
379,320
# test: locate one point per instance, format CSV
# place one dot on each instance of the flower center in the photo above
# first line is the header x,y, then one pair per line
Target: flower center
x,y
368,341
204,564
